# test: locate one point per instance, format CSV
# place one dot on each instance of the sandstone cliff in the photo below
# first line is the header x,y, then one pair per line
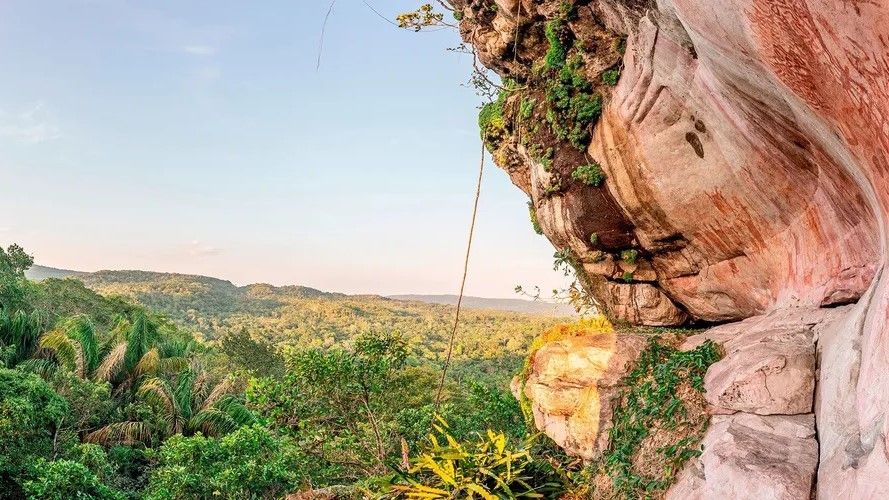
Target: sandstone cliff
x,y
714,161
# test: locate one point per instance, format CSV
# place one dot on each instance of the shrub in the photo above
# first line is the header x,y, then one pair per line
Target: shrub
x,y
590,174
532,212
248,463
67,479
491,120
29,413
526,108
663,396
610,77
629,256
557,52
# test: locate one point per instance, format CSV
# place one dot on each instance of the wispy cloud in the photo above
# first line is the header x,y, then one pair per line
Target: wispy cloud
x,y
199,50
34,125
198,249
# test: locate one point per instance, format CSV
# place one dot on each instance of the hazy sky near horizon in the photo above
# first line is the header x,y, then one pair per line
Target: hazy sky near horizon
x,y
198,137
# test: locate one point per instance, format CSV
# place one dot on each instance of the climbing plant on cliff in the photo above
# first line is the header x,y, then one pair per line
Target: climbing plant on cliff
x,y
658,423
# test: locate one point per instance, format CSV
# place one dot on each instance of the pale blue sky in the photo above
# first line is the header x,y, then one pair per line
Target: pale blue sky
x,y
197,137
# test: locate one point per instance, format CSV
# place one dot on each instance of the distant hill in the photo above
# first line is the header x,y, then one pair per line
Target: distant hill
x,y
514,305
40,273
493,337
105,279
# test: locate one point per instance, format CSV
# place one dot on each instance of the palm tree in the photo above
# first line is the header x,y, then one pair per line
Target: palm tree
x,y
193,402
136,351
19,333
73,347
187,405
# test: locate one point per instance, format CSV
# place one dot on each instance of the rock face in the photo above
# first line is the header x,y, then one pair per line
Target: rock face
x,y
753,456
570,386
762,441
766,370
744,151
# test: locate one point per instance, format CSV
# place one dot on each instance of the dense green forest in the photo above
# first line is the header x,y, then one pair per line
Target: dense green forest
x,y
491,343
145,385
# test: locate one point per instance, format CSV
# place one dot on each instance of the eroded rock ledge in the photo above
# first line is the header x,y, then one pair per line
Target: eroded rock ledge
x,y
730,188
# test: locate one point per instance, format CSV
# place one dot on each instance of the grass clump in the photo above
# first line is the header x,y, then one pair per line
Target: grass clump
x,y
590,174
658,422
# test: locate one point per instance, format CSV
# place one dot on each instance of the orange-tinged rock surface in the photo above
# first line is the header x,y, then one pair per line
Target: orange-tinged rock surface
x,y
571,382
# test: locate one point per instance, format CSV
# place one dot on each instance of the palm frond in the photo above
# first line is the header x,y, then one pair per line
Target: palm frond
x,y
110,366
172,365
121,328
22,331
224,387
81,329
235,408
213,422
201,389
156,391
127,433
142,336
183,392
148,364
65,349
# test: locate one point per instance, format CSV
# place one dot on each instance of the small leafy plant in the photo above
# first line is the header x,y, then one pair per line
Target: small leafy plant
x,y
610,77
590,174
490,467
629,256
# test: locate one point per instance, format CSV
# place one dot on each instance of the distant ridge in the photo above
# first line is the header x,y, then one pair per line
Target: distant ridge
x,y
512,305
258,290
40,273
